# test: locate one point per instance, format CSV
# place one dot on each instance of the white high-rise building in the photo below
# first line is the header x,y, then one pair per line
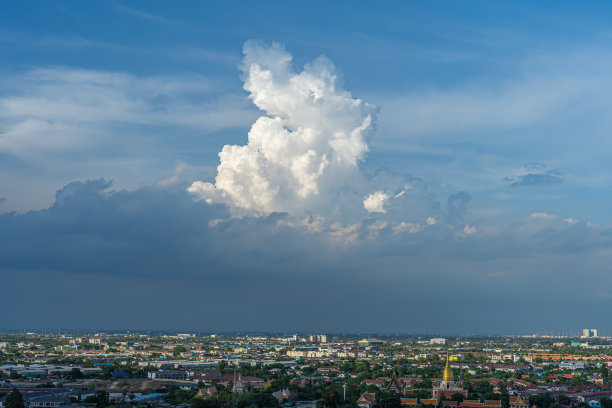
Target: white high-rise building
x,y
317,338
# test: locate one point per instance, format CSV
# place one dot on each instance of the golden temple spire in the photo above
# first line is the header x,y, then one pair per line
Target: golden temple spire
x,y
448,371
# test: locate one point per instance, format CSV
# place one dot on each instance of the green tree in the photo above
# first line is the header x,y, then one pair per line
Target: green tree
x,y
74,374
14,399
579,380
178,350
102,399
389,400
207,403
257,399
457,397
330,399
542,401
565,400
483,387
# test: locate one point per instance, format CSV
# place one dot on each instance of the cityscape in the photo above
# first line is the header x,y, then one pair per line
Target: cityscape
x,y
305,204
305,370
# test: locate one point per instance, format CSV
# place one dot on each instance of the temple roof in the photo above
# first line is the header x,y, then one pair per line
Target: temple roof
x,y
394,384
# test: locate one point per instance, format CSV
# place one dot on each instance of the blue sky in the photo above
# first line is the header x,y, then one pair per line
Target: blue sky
x,y
485,179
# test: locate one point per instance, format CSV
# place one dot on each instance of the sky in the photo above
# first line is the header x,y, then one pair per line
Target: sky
x,y
346,167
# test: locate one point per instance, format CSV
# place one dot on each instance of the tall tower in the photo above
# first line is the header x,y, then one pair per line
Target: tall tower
x,y
448,386
448,371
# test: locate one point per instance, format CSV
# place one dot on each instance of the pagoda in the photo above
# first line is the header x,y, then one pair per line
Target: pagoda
x,y
448,386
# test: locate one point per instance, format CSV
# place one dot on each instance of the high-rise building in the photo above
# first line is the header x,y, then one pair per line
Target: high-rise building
x,y
317,338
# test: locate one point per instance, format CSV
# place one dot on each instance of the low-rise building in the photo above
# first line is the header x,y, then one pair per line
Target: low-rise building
x,y
518,402
367,400
168,375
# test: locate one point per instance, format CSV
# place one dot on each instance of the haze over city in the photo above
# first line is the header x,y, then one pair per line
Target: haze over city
x,y
315,167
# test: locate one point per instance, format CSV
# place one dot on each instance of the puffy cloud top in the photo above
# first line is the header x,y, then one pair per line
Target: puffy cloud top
x,y
300,157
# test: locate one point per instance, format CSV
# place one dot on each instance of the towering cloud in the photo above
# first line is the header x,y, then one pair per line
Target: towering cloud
x,y
302,156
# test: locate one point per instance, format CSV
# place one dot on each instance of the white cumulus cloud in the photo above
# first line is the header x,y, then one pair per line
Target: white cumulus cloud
x,y
375,202
301,156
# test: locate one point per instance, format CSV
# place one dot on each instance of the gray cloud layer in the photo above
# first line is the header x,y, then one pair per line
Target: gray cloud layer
x,y
153,258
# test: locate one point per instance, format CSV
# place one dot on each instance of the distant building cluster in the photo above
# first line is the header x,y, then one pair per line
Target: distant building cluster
x,y
589,333
317,338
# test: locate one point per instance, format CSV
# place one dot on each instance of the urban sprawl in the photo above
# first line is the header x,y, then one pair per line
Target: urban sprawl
x,y
315,370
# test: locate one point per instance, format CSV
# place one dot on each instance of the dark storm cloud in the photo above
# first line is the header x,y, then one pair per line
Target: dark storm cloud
x,y
153,258
147,232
